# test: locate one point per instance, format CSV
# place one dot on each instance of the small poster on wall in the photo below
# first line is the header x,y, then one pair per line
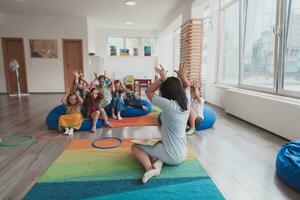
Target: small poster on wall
x,y
124,52
113,50
147,50
43,48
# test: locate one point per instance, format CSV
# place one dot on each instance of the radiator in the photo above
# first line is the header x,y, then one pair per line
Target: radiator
x,y
279,115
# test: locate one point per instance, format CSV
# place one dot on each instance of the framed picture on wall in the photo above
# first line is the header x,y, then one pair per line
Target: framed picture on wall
x,y
147,50
43,48
124,52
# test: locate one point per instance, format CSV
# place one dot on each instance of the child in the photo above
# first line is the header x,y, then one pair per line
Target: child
x,y
73,118
117,102
196,113
175,104
79,84
104,88
92,109
131,99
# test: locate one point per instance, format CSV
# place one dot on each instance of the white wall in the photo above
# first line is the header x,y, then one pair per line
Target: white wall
x,y
165,44
44,75
138,66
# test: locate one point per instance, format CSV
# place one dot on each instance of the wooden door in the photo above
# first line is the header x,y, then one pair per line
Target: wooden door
x,y
13,48
73,60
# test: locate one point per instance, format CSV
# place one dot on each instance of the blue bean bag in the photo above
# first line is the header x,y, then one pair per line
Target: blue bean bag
x,y
52,119
130,111
288,164
208,122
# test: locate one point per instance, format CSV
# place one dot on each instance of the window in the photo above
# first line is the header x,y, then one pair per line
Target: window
x,y
131,44
259,44
229,44
176,57
117,42
270,56
149,42
291,71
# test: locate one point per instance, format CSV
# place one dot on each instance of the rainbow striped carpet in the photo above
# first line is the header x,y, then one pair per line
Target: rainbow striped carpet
x,y
83,172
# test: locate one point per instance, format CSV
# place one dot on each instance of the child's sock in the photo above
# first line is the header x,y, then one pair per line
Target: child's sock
x,y
119,116
71,131
66,131
191,131
149,174
158,165
108,124
93,130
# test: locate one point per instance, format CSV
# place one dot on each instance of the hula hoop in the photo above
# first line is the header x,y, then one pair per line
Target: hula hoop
x,y
30,139
118,140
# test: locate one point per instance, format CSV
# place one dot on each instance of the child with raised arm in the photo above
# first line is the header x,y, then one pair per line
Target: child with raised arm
x,y
79,84
104,87
73,118
175,104
197,106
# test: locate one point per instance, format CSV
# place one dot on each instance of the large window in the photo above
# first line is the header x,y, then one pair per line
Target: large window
x,y
270,48
117,42
229,43
259,44
134,44
291,75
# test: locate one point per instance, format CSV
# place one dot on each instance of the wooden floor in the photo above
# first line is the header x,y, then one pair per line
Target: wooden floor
x,y
238,156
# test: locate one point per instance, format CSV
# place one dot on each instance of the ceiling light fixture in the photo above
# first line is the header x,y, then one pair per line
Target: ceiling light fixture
x,y
128,23
130,3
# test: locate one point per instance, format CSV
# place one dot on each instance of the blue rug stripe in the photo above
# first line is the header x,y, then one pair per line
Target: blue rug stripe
x,y
198,189
90,189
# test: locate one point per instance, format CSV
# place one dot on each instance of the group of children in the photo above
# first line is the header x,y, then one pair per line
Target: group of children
x,y
93,100
178,98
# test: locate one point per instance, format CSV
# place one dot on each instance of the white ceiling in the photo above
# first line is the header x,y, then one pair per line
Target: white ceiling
x,y
111,14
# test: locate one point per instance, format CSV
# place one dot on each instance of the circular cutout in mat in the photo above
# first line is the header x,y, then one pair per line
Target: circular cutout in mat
x,y
109,143
5,140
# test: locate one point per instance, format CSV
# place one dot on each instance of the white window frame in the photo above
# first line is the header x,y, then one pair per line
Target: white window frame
x,y
280,31
218,70
283,42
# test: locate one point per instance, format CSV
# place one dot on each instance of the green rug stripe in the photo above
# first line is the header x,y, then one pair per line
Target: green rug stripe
x,y
95,171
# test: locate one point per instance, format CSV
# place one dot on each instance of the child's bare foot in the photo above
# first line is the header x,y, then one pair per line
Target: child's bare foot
x,y
119,116
145,108
113,116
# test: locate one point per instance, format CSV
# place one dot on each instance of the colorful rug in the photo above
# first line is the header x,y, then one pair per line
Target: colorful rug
x,y
82,172
147,120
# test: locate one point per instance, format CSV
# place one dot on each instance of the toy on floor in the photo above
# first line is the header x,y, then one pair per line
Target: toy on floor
x,y
107,140
288,164
208,122
6,141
